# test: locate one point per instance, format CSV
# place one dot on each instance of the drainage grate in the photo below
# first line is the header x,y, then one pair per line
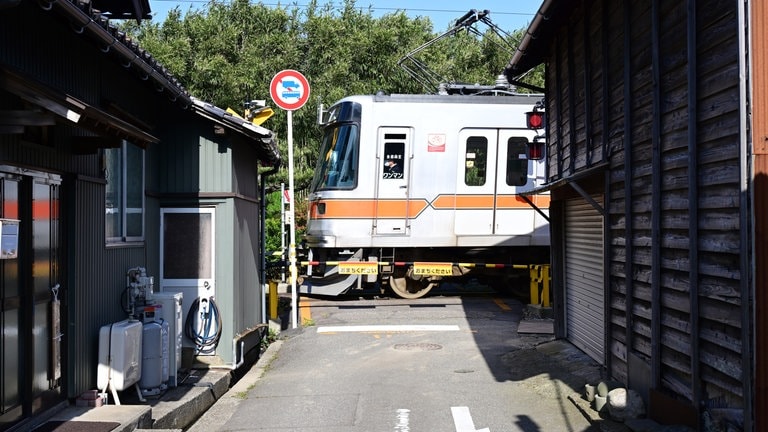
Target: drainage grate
x,y
418,347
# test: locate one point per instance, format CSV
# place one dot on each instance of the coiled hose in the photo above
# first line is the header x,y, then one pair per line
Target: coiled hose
x,y
205,336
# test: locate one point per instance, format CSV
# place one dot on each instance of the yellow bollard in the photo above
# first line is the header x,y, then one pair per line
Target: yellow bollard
x,y
540,285
545,289
535,279
273,300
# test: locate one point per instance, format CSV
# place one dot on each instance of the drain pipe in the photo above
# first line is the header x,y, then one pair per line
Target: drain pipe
x,y
237,362
263,237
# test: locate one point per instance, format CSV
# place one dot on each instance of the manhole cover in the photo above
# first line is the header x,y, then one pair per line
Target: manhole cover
x,y
418,347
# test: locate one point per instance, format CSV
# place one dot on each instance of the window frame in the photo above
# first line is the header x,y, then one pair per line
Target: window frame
x,y
124,199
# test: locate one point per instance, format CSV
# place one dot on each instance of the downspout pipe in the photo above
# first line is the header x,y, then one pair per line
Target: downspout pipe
x,y
237,362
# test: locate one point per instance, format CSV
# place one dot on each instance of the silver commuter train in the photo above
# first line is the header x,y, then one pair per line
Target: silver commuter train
x,y
412,189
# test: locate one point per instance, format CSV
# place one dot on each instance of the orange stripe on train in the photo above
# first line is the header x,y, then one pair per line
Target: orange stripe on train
x,y
367,208
486,202
397,209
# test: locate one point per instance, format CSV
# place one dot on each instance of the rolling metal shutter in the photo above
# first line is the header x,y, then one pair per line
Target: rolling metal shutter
x,y
584,291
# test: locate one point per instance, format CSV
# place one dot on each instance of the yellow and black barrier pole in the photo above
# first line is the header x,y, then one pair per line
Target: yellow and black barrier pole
x,y
540,284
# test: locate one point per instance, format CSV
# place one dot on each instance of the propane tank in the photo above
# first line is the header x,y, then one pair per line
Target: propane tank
x,y
154,366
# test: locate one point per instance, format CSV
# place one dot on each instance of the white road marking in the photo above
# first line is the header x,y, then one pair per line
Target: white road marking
x,y
387,328
402,420
463,420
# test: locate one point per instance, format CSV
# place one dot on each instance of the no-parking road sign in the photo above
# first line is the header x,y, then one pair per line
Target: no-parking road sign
x,y
289,89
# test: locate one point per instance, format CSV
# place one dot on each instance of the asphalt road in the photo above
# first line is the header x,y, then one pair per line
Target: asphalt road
x,y
442,363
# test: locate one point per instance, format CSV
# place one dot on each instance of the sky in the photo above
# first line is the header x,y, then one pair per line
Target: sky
x,y
509,15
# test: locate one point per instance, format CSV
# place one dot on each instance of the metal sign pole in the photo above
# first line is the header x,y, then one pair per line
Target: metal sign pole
x,y
290,91
283,221
292,246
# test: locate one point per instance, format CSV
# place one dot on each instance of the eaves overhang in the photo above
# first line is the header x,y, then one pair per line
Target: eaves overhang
x,y
565,181
72,109
574,181
533,47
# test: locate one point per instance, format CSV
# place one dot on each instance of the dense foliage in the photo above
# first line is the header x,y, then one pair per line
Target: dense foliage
x,y
228,53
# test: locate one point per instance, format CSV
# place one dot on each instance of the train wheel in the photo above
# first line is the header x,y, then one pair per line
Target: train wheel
x,y
408,288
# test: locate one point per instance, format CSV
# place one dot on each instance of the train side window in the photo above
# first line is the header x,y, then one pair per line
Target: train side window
x,y
517,162
475,161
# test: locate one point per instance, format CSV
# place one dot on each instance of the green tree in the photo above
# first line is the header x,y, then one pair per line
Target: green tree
x,y
228,53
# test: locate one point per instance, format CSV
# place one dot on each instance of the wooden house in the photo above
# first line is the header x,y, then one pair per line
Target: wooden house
x,y
656,153
108,164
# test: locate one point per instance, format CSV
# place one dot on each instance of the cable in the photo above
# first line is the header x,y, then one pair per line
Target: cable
x,y
205,339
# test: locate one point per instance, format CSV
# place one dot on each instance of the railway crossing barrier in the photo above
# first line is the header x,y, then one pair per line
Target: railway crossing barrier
x,y
539,273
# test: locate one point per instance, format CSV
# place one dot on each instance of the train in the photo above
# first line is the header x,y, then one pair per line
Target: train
x,y
412,190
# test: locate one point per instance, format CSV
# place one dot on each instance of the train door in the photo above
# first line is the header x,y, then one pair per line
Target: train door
x,y
476,182
513,216
393,159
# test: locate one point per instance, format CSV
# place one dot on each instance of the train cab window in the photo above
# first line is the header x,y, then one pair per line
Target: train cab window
x,y
517,162
339,154
475,161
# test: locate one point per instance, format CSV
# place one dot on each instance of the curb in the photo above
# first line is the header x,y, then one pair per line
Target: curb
x,y
222,410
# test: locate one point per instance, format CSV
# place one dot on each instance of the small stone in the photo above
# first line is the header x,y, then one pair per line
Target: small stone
x,y
625,404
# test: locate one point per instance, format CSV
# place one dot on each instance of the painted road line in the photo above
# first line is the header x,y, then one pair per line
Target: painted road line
x,y
500,303
463,420
304,311
387,328
402,420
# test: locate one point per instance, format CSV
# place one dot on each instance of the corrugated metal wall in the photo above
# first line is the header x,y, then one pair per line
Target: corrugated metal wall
x,y
94,274
204,168
96,281
247,265
221,171
191,166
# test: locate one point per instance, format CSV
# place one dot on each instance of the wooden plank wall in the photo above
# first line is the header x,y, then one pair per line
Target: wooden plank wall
x,y
759,125
652,86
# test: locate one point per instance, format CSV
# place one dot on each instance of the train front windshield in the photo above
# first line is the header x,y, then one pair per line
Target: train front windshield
x,y
337,166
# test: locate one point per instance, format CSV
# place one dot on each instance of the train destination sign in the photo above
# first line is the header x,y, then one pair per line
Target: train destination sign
x,y
433,269
365,267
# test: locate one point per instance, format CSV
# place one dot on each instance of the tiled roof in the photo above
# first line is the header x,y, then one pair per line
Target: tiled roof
x,y
96,26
